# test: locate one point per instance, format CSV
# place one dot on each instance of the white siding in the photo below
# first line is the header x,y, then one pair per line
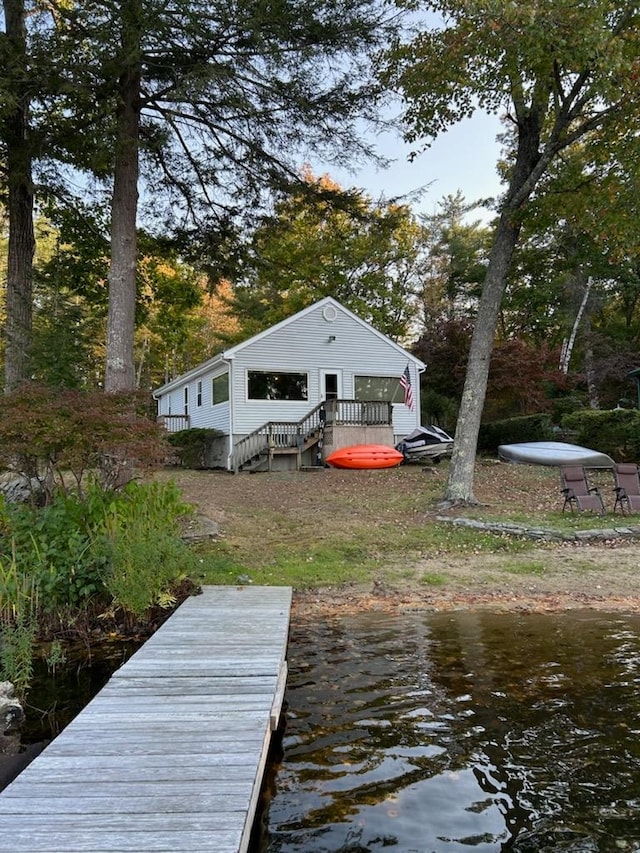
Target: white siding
x,y
322,338
304,346
204,416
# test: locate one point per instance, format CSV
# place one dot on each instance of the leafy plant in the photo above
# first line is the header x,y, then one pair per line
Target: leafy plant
x,y
61,438
56,656
192,446
19,600
614,431
141,532
55,545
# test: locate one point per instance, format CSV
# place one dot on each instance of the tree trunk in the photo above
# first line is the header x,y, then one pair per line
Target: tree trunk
x,y
528,168
120,369
592,388
461,471
567,349
19,299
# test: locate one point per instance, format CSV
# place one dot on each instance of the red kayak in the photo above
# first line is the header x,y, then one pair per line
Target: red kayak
x,y
365,456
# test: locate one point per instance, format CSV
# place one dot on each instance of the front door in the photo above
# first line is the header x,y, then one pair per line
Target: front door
x,y
330,384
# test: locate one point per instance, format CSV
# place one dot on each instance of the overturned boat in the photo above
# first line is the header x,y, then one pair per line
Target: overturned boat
x,y
556,453
428,442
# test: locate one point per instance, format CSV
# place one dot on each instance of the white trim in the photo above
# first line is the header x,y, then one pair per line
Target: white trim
x,y
330,313
329,371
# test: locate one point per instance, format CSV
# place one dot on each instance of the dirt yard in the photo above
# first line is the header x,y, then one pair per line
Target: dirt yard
x,y
604,574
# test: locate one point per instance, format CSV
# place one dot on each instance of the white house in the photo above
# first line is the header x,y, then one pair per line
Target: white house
x,y
289,390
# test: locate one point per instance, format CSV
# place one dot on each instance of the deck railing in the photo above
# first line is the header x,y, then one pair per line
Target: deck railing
x,y
359,412
279,435
174,423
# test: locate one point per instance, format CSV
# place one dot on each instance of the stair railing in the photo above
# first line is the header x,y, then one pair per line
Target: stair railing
x,y
279,435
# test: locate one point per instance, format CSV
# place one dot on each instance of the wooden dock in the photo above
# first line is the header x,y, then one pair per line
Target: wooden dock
x,y
169,756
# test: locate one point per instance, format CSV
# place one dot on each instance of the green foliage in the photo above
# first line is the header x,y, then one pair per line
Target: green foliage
x,y
141,532
51,435
76,550
564,405
19,605
563,73
458,254
510,431
324,241
16,654
54,546
56,656
439,410
192,446
615,432
120,549
63,325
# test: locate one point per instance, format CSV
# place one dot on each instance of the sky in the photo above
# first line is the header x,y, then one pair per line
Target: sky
x,y
464,158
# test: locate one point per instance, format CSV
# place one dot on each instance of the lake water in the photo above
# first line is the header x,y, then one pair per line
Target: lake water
x,y
464,731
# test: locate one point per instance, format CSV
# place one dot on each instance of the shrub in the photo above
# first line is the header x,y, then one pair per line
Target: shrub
x,y
51,435
615,432
55,546
438,409
141,530
120,549
192,446
526,428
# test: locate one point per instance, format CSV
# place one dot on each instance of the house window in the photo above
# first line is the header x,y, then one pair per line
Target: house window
x,y
378,388
199,394
220,389
186,400
271,385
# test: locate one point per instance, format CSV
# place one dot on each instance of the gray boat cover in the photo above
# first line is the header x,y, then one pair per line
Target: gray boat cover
x,y
553,453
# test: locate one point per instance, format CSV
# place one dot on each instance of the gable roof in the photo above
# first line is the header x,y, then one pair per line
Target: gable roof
x,y
230,353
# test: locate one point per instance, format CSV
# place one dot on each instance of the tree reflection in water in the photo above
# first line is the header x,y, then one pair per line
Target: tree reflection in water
x,y
458,731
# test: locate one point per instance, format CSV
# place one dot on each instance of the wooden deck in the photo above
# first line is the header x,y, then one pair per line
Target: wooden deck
x,y
169,756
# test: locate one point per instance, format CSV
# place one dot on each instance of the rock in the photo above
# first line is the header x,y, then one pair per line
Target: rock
x,y
20,489
200,528
12,763
11,711
545,534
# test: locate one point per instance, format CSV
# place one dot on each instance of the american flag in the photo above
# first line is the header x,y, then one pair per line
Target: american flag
x,y
405,381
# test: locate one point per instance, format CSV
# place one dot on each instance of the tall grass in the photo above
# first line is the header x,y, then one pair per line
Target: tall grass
x,y
145,551
19,606
104,551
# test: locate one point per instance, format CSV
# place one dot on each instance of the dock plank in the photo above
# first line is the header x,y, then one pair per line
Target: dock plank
x,y
169,756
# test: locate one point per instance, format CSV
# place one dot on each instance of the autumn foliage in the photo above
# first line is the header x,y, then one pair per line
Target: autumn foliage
x,y
61,437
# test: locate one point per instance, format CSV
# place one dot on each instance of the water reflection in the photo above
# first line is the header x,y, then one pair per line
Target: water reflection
x,y
450,732
56,697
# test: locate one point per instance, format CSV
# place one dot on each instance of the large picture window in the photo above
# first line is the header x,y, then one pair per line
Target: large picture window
x,y
220,389
378,388
272,385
